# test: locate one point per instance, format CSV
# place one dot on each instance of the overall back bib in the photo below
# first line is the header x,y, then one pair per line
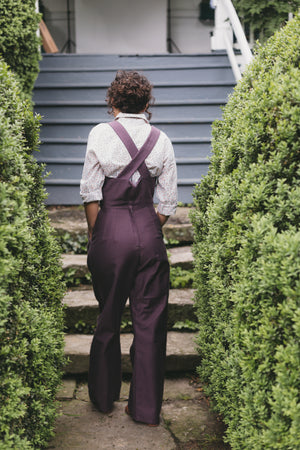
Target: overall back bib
x,y
127,258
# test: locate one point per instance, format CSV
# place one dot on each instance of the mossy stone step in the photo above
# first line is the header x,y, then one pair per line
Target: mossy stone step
x,y
72,220
81,306
181,352
179,256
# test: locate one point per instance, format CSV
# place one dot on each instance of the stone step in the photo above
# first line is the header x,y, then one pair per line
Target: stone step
x,y
178,256
181,353
72,220
81,306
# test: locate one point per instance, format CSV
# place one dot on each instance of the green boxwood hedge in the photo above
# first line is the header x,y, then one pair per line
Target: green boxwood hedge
x,y
247,253
19,43
31,318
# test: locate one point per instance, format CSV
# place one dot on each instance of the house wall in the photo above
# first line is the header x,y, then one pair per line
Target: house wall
x,y
55,17
127,26
121,27
187,32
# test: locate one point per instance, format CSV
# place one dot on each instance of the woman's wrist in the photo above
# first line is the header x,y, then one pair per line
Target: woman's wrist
x,y
162,218
91,212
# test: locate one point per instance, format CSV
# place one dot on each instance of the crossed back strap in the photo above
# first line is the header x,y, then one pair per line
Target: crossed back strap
x,y
138,156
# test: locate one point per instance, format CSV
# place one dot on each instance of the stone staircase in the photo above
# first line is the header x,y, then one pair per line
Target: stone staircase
x,y
82,307
70,94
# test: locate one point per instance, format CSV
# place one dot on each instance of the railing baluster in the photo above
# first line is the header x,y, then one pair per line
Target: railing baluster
x,y
227,23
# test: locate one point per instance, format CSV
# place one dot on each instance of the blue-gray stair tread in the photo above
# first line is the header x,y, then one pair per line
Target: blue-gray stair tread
x,y
94,122
183,140
177,84
129,62
80,161
186,168
100,77
173,129
181,353
149,68
76,182
170,102
63,192
100,114
161,93
50,149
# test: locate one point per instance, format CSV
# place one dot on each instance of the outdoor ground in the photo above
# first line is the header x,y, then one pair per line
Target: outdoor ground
x,y
187,421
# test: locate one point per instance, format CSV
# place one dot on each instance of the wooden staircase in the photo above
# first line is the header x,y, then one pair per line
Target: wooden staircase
x,y
70,95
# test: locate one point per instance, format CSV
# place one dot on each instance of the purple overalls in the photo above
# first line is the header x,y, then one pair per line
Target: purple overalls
x,y
127,258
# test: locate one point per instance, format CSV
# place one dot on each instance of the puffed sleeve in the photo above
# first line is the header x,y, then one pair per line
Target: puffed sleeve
x,y
92,175
166,188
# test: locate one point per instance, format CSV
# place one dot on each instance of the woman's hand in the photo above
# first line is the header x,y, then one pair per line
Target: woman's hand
x,y
91,212
162,218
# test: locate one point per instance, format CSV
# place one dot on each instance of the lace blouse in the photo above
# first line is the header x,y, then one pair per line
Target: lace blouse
x,y
106,155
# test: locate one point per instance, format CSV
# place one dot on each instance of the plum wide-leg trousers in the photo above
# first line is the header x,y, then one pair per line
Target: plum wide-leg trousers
x,y
127,259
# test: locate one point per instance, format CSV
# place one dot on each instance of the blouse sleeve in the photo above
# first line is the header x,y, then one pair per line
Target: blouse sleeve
x,y
92,175
166,188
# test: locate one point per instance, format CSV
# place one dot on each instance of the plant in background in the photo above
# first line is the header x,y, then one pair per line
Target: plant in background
x,y
19,43
247,253
187,325
72,243
265,17
72,278
181,278
31,286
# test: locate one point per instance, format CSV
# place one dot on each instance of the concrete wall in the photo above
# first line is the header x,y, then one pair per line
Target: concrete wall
x,y
122,27
188,33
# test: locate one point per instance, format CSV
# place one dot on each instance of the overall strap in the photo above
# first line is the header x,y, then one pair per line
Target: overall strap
x,y
138,156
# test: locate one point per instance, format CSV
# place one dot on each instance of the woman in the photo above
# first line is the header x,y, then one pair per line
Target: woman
x,y
125,161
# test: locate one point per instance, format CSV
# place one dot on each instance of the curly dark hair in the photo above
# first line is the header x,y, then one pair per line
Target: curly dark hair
x,y
130,92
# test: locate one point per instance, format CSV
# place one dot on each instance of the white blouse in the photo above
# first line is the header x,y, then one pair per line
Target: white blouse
x,y
106,156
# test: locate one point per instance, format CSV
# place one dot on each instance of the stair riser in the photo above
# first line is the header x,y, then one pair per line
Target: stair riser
x,y
88,316
82,271
69,195
129,62
193,150
173,76
74,171
79,131
100,113
181,353
79,364
77,264
183,233
181,93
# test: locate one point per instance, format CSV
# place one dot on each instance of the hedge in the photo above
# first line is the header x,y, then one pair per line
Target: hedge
x,y
247,253
265,17
31,318
19,43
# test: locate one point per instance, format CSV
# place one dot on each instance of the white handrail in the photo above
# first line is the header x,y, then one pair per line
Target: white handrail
x,y
232,58
227,22
238,31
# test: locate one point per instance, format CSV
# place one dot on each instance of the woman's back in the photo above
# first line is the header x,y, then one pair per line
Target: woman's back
x,y
107,156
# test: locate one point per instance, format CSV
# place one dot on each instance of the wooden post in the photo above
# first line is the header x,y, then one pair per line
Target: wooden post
x,y
48,42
